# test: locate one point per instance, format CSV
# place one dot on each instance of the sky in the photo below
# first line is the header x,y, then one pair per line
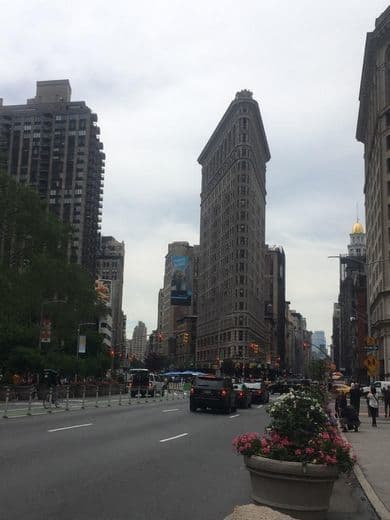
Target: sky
x,y
160,75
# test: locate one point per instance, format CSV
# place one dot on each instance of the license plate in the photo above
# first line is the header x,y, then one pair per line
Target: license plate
x,y
207,392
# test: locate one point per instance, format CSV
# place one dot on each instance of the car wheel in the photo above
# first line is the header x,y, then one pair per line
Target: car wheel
x,y
249,405
193,408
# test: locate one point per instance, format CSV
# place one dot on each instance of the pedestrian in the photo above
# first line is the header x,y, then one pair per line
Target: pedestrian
x,y
386,400
354,397
373,405
340,404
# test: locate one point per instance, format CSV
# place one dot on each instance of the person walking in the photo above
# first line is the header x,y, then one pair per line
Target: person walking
x,y
373,405
386,400
354,397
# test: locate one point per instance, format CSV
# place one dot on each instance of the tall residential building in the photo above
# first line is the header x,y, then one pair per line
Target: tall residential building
x,y
172,309
232,236
137,344
110,266
52,144
373,130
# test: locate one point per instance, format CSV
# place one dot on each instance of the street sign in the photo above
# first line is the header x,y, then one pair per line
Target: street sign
x,y
372,364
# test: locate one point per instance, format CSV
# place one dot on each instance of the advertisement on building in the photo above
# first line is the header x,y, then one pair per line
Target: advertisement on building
x,y
181,287
103,290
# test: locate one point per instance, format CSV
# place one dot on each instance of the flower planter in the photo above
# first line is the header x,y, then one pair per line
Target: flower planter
x,y
300,490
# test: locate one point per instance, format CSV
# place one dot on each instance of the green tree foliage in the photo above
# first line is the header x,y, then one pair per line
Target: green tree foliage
x,y
37,281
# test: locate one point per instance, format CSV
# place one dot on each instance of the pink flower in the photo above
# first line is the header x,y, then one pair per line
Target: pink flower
x,y
298,452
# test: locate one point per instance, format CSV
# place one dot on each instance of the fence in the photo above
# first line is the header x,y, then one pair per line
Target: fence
x,y
27,400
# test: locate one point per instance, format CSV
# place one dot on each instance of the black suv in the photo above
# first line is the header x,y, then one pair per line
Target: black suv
x,y
216,393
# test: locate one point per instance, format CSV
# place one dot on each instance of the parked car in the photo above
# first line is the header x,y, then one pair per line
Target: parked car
x,y
259,391
212,392
243,395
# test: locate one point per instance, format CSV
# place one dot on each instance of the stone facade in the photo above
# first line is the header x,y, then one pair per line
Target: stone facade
x,y
232,237
373,130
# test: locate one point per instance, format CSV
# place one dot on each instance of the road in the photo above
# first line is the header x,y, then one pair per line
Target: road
x,y
124,462
146,461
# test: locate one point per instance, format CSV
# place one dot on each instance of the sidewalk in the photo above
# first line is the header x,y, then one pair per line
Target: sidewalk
x,y
372,449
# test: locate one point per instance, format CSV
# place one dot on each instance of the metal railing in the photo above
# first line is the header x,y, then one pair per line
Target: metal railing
x,y
27,400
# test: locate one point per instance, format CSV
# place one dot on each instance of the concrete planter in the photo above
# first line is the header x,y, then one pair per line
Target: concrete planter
x,y
302,491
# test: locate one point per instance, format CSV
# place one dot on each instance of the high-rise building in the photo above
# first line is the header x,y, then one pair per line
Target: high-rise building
x,y
137,344
52,144
373,130
110,266
232,236
275,304
173,307
318,346
350,317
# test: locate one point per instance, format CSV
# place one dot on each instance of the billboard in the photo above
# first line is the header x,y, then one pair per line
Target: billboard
x,y
181,284
103,290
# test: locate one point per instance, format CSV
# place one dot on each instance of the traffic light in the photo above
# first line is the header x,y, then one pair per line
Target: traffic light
x,y
306,345
112,353
186,338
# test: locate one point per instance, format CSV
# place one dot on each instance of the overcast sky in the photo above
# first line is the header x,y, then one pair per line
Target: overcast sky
x,y
160,75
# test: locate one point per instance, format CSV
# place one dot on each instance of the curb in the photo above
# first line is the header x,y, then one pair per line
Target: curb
x,y
377,504
379,507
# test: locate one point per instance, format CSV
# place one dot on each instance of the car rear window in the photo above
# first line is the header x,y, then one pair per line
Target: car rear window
x,y
209,383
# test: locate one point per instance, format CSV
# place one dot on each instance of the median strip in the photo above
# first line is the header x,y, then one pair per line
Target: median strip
x,y
70,427
175,437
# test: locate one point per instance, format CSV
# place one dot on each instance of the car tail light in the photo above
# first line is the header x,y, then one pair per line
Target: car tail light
x,y
223,392
258,392
192,391
241,394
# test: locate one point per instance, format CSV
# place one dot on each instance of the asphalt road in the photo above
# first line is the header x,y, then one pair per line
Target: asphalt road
x,y
149,461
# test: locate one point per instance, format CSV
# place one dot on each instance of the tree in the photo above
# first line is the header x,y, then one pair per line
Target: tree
x,y
35,271
155,362
318,370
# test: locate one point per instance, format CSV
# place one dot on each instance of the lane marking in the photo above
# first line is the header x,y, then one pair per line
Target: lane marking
x,y
171,410
233,416
260,406
172,438
69,427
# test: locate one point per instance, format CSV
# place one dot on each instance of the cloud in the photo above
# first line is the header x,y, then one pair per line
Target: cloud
x,y
160,75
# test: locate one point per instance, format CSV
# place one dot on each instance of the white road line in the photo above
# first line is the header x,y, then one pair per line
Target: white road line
x,y
172,438
260,406
172,410
233,416
70,427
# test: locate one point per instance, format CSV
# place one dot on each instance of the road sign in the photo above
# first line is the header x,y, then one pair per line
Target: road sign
x,y
370,341
372,365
